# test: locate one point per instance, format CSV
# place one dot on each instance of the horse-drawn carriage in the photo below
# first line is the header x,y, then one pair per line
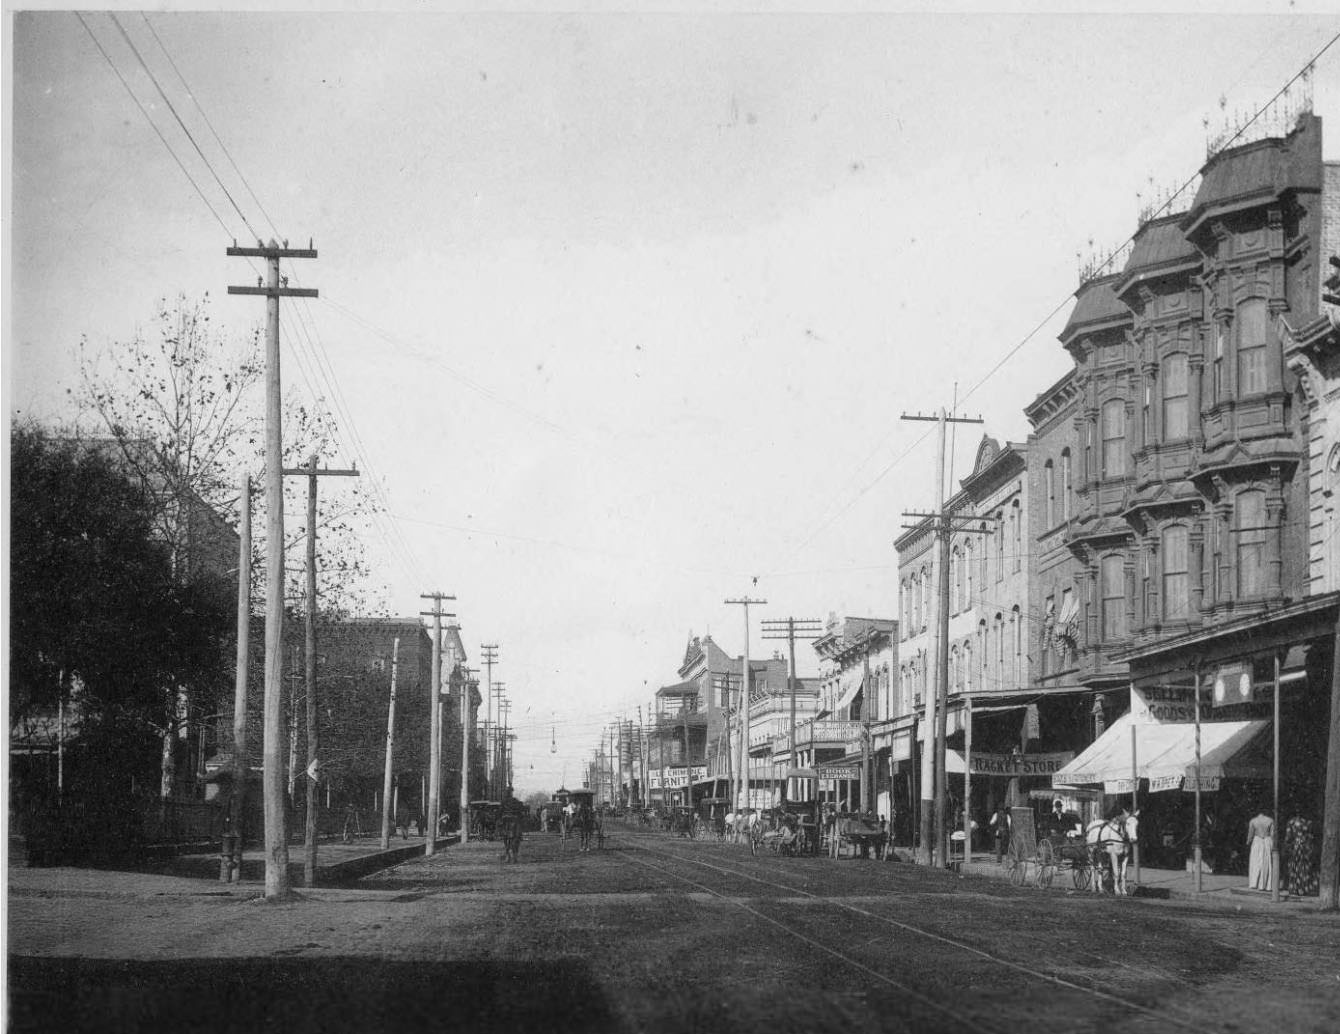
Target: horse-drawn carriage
x,y
680,821
711,818
484,819
581,820
1096,855
791,829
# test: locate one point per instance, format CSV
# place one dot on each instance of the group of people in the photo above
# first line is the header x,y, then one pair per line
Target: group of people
x,y
1298,859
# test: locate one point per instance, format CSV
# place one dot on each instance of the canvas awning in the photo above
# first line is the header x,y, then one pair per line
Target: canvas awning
x,y
849,690
1166,756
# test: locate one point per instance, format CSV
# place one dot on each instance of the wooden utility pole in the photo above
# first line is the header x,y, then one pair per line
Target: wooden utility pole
x,y
745,685
936,851
311,472
435,720
643,798
390,749
488,653
468,683
240,761
274,288
495,747
786,628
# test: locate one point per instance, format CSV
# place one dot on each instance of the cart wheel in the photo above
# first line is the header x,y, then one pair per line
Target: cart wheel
x,y
1082,876
1014,862
1046,863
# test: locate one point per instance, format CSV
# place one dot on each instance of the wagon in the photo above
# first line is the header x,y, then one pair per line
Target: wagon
x,y
1038,859
585,823
484,819
711,818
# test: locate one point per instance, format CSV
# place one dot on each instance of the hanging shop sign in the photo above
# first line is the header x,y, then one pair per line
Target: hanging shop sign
x,y
1019,764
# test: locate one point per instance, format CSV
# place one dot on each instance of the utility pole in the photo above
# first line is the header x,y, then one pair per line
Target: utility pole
x,y
642,758
309,841
390,747
745,685
495,747
435,721
468,683
786,628
937,702
276,839
240,763
488,653
504,762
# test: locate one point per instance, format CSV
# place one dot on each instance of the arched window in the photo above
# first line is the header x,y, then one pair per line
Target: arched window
x,y
954,673
1175,397
1176,598
1049,493
967,665
1017,626
982,567
1114,438
1113,598
1251,532
1017,524
967,571
958,579
1251,326
1000,544
914,605
1000,650
1065,484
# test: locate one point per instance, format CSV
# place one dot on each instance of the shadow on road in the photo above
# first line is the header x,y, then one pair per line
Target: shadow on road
x,y
299,995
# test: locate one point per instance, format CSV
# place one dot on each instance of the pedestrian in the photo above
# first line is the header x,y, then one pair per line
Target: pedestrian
x,y
1300,865
1260,842
1000,830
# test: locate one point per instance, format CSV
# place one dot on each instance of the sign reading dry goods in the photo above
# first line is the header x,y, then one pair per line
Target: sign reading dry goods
x,y
1018,764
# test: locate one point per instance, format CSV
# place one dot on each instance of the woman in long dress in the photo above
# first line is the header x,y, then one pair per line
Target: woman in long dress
x,y
1260,842
1300,845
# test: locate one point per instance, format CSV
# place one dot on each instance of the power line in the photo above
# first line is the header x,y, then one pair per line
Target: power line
x,y
217,139
172,108
152,125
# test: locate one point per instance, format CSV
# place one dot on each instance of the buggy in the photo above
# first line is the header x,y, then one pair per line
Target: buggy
x,y
484,819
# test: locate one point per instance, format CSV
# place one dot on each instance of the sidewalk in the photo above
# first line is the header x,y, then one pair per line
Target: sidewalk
x,y
193,874
1225,891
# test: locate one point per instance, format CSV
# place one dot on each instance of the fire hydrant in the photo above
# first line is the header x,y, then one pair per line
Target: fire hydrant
x,y
230,860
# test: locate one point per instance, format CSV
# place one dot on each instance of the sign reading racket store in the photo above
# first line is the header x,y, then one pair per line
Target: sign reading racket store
x,y
1018,764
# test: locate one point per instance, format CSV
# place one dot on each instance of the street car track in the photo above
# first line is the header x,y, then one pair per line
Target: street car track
x,y
1161,1014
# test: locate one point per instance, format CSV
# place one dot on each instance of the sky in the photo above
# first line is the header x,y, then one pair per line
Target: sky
x,y
620,311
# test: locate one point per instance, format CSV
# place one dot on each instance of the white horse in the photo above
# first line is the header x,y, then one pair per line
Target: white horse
x,y
741,823
1112,841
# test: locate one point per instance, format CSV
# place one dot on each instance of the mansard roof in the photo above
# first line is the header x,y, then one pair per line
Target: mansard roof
x,y
1096,308
1256,173
1160,247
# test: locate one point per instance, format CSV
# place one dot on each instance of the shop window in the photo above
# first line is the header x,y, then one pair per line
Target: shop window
x,y
1176,580
1251,324
1175,397
1113,598
1114,438
1251,532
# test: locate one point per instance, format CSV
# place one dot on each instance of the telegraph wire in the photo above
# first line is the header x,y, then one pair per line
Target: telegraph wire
x,y
153,125
217,139
172,108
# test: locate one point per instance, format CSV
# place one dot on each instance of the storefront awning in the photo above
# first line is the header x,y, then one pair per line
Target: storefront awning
x,y
849,691
1166,756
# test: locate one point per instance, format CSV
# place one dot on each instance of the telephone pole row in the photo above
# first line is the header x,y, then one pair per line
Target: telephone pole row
x,y
312,472
276,835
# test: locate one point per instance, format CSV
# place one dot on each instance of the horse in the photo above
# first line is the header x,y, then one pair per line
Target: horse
x,y
742,824
1115,838
509,830
584,823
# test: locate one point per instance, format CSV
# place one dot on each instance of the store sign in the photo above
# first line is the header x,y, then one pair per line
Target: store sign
x,y
1019,764
1162,705
1233,685
675,778
838,771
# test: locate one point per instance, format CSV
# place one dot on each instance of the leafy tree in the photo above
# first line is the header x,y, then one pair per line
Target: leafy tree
x,y
97,609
